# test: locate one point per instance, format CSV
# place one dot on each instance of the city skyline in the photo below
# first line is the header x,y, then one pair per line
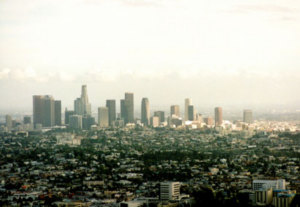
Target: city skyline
x,y
231,52
48,112
201,113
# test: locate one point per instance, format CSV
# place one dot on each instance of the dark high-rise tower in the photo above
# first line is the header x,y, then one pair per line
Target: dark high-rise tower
x,y
145,115
38,109
187,102
122,108
191,113
49,111
44,110
57,113
218,116
111,105
129,108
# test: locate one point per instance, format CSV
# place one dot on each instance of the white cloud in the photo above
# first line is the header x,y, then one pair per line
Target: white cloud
x,y
22,75
265,8
4,74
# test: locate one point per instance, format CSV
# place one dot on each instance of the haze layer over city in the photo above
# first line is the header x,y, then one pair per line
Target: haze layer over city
x,y
231,53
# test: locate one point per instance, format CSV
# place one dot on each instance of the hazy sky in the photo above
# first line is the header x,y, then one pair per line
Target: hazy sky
x,y
218,52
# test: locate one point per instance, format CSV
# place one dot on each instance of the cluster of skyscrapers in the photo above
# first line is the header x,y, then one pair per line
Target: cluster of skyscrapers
x,y
47,113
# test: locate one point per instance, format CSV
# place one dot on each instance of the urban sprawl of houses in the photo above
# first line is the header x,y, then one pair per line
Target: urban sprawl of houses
x,y
126,162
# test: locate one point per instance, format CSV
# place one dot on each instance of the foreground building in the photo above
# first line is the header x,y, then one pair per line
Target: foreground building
x,y
169,190
266,184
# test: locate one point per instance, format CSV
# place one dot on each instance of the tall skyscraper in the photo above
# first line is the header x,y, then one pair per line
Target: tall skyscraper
x,y
175,110
38,109
187,102
191,113
103,116
145,115
248,116
85,101
57,113
111,105
43,110
122,109
49,111
8,121
218,116
129,108
82,105
161,115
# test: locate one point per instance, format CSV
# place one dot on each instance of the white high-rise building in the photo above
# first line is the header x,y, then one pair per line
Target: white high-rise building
x,y
266,184
169,190
103,120
82,105
85,101
154,121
